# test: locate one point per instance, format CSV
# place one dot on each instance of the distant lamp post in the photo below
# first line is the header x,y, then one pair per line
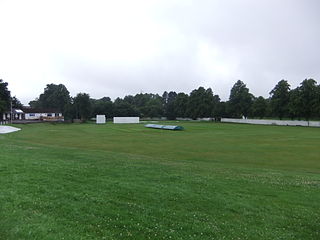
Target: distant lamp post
x,y
11,112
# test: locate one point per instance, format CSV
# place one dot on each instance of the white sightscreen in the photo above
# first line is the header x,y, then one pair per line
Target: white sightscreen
x,y
126,120
101,119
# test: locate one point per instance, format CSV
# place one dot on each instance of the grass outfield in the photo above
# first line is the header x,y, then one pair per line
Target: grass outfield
x,y
211,181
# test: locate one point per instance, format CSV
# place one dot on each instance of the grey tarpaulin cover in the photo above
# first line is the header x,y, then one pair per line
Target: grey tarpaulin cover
x,y
167,127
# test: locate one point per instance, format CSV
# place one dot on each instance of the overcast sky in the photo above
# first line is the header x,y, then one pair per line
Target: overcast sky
x,y
121,47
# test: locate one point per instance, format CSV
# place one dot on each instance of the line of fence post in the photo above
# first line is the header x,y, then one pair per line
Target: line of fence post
x,y
3,122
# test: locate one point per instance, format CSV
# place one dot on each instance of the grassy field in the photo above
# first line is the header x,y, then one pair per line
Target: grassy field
x,y
211,181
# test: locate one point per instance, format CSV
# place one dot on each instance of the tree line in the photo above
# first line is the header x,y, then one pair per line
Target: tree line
x,y
302,102
6,101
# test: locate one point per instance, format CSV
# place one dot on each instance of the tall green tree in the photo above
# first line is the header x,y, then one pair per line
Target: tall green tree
x,y
318,101
216,110
4,97
16,103
240,100
169,104
181,105
202,103
222,110
148,104
279,100
54,96
102,106
309,100
154,107
123,108
294,105
70,111
82,106
35,104
259,107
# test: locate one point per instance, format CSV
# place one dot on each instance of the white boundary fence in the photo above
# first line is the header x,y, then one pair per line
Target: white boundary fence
x,y
273,122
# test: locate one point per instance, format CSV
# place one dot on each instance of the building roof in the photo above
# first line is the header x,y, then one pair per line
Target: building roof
x,y
15,111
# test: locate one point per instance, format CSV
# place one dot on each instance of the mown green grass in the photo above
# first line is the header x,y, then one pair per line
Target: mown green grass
x,y
211,181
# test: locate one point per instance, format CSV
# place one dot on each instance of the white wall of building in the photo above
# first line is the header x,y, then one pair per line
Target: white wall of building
x,y
126,120
34,116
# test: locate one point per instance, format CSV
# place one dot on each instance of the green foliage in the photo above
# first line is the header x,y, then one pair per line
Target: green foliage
x,y
102,106
305,100
202,103
294,105
16,103
280,97
222,109
53,97
181,105
240,100
211,181
259,107
4,97
169,105
82,106
35,104
142,105
309,98
123,108
153,108
302,102
148,104
317,109
70,112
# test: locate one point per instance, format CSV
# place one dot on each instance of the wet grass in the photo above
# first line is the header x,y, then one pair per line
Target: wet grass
x,y
211,181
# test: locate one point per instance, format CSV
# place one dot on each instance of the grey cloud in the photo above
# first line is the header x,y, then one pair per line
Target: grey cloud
x,y
259,42
161,74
